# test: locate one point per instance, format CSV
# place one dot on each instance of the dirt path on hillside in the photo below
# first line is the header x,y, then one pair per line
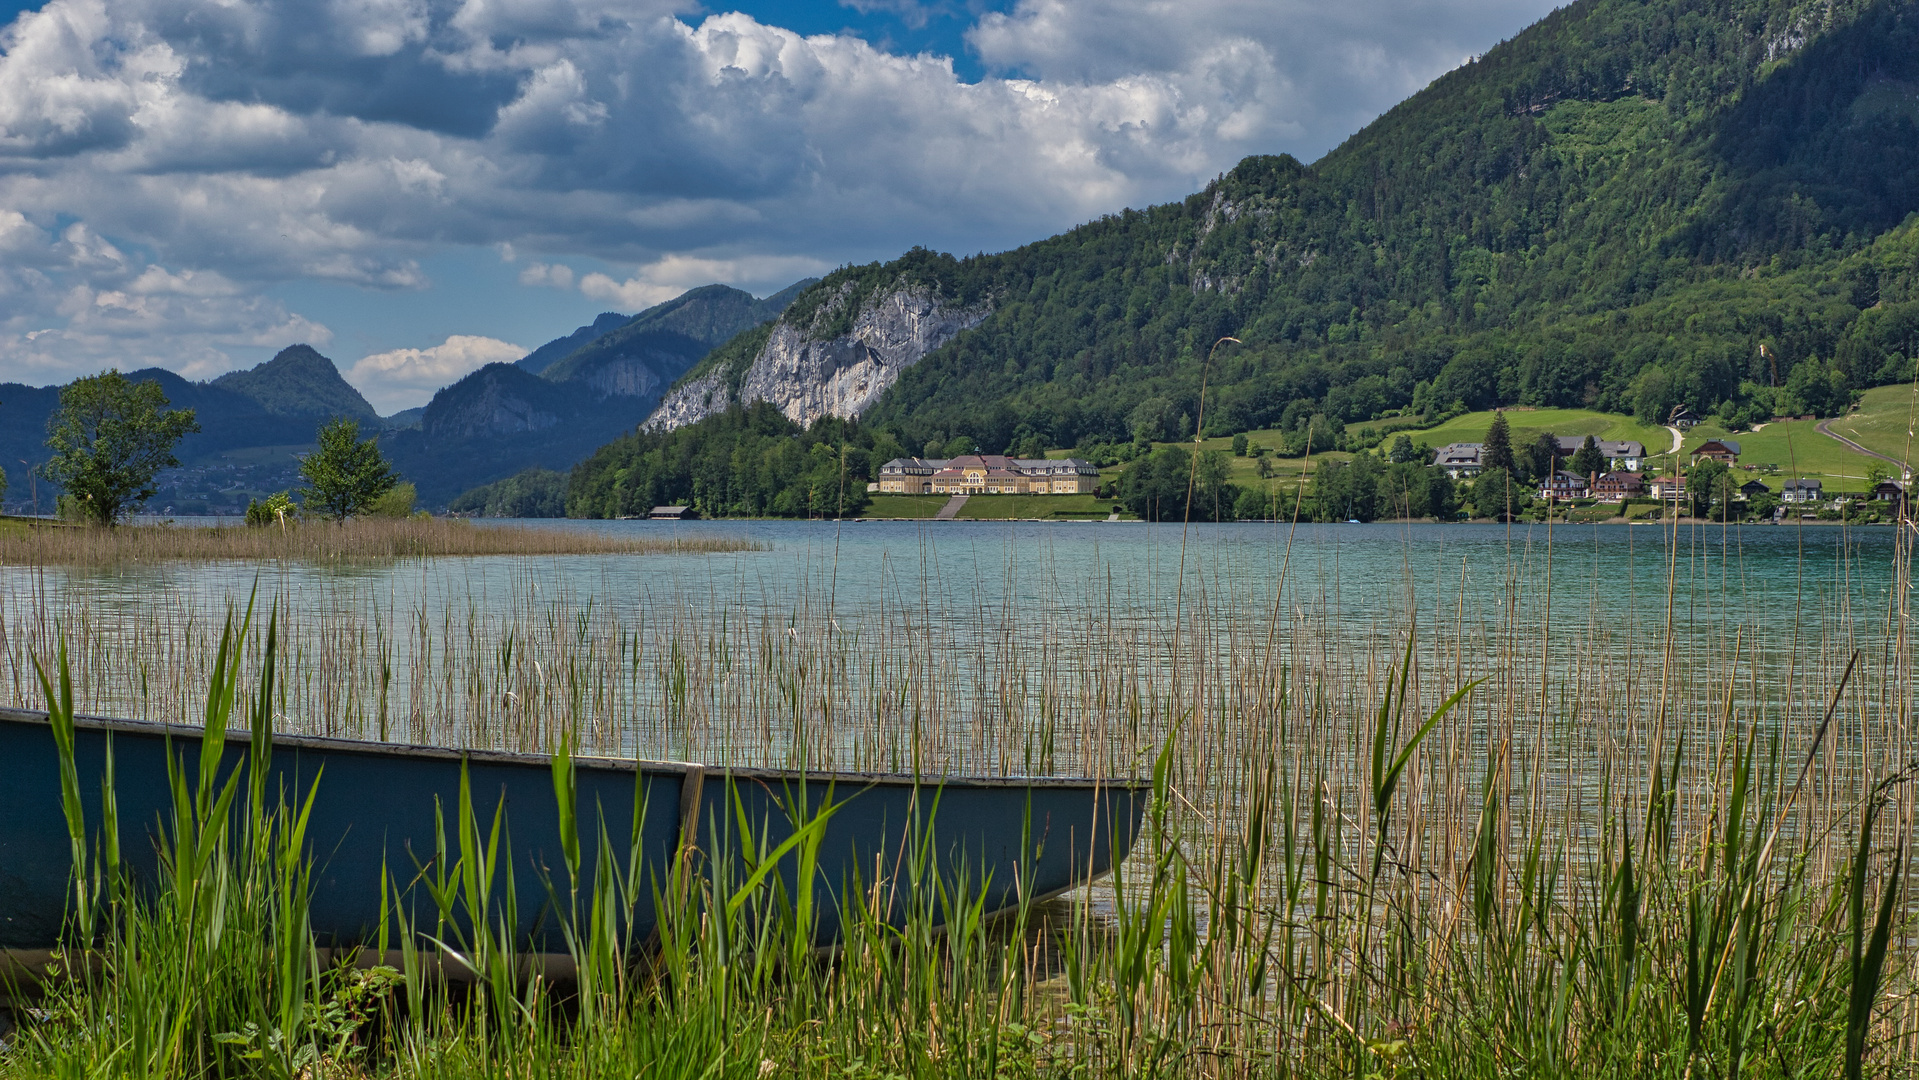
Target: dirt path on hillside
x,y
1824,427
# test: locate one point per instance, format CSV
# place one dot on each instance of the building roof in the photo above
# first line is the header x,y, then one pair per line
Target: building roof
x,y
1621,479
1803,485
1459,453
1730,445
1612,448
1056,466
913,465
1000,467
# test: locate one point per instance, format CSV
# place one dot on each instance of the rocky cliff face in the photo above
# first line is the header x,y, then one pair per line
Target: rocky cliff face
x,y
498,399
810,371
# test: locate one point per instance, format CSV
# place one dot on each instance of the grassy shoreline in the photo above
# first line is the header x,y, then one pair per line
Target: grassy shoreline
x,y
325,541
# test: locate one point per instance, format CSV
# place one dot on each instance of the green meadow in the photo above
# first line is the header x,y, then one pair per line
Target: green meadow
x,y
996,507
1883,422
904,506
1048,507
1527,424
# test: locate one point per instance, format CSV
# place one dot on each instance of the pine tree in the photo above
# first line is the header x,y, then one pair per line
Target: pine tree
x,y
1588,461
1498,451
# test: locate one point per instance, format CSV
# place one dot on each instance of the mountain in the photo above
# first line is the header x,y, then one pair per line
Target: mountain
x,y
498,421
298,381
592,385
558,349
851,344
241,450
1633,205
228,419
405,418
504,418
641,358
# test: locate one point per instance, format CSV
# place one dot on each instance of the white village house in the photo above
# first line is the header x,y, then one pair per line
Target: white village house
x,y
1621,454
1461,460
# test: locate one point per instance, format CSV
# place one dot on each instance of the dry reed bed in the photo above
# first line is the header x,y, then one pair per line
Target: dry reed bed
x,y
1559,760
324,541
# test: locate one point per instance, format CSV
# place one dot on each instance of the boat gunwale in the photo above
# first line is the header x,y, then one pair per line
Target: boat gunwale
x,y
334,744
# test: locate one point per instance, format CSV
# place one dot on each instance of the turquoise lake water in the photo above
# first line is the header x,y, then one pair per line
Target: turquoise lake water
x,y
1719,576
1580,600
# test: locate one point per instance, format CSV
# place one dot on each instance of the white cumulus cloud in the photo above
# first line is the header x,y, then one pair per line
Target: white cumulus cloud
x,y
403,378
558,275
669,277
166,163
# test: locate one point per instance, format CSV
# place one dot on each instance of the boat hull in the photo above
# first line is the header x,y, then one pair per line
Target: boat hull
x,y
387,812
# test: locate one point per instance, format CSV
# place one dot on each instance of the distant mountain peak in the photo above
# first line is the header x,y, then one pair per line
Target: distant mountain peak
x,y
642,357
299,381
559,348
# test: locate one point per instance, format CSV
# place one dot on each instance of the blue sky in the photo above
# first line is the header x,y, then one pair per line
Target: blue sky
x,y
417,187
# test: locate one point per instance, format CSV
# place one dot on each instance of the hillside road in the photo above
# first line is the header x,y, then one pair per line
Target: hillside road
x,y
1824,427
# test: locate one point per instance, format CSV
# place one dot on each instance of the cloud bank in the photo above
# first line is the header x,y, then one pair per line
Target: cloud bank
x,y
164,162
402,378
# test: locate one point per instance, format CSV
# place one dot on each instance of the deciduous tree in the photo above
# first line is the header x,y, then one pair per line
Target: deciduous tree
x,y
1707,484
347,473
1497,495
1540,458
110,438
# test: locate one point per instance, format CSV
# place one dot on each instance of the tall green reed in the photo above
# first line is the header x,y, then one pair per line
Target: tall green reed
x,y
1645,871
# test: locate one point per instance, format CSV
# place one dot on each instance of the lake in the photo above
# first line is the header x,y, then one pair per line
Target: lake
x,y
982,645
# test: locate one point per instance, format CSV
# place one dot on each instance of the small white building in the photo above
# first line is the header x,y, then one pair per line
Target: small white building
x,y
1803,491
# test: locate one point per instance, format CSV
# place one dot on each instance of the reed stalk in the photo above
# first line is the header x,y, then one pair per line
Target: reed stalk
x,y
1693,864
359,539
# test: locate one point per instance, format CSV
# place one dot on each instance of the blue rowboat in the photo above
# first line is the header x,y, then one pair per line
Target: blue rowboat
x,y
385,809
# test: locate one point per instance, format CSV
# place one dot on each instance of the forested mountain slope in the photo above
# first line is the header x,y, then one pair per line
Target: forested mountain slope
x,y
504,418
642,357
560,348
299,382
251,422
1632,205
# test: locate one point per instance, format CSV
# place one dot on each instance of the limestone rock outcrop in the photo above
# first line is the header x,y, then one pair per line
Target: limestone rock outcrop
x,y
822,366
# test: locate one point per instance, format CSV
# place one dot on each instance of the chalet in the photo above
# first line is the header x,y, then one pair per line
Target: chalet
x,y
1459,459
1683,418
1752,489
1618,486
1667,487
988,474
1803,491
1724,451
1620,453
1889,491
1564,485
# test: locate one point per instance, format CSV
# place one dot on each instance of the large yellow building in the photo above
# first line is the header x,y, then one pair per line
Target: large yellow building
x,y
988,474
